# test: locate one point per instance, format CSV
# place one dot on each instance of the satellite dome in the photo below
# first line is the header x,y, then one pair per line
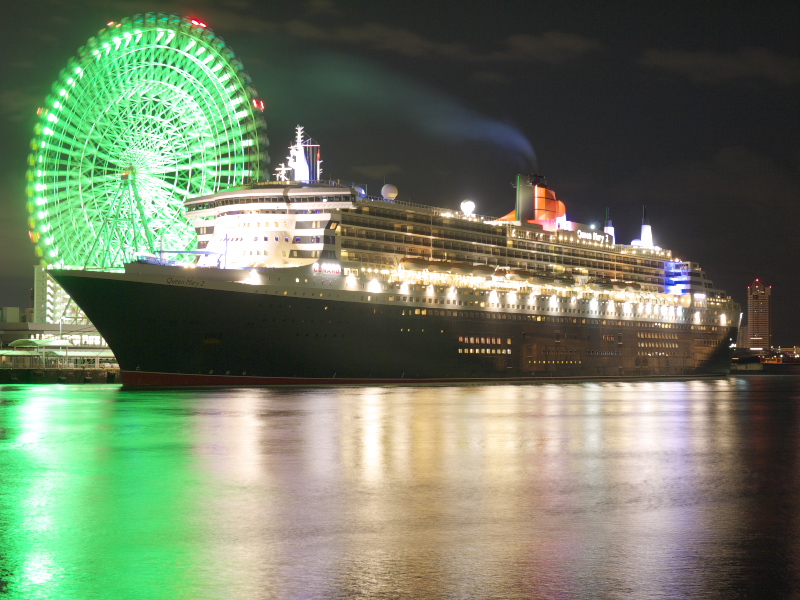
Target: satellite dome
x,y
389,192
467,207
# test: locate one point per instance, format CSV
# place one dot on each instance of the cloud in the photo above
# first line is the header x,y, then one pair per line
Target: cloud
x,y
16,104
316,21
380,37
492,77
549,47
712,67
321,7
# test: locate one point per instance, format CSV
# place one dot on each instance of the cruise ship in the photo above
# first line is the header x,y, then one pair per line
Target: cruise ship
x,y
303,281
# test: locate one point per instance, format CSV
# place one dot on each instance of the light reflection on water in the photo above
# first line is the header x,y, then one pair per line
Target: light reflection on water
x,y
597,490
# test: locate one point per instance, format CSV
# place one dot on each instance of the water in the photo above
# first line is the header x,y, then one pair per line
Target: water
x,y
614,490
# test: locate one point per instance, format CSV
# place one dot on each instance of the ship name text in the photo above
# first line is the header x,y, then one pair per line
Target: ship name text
x,y
592,235
187,282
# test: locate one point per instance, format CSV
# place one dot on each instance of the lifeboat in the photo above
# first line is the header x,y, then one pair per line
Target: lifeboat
x,y
483,270
461,268
565,279
415,264
440,266
633,286
542,278
519,274
601,283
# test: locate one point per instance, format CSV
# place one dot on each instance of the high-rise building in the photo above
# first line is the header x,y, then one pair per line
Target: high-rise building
x,y
758,315
51,304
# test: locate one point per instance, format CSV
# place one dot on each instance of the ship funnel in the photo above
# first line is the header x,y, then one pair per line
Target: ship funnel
x,y
646,238
536,203
647,231
608,227
528,188
525,198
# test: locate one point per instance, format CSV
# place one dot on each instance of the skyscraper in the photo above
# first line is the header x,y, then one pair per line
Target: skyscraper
x,y
758,315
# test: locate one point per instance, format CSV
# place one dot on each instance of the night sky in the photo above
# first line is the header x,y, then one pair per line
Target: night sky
x,y
689,108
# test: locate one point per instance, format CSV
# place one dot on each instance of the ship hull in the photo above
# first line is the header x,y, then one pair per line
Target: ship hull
x,y
185,335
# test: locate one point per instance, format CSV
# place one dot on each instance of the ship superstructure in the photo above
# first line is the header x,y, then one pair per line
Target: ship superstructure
x,y
389,243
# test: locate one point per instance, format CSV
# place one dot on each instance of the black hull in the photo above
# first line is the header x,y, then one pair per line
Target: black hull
x,y
174,335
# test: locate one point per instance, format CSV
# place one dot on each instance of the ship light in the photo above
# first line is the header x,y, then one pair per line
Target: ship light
x,y
512,297
375,287
451,293
663,310
648,308
429,291
404,288
697,316
253,278
593,304
626,308
723,319
611,306
553,301
679,311
351,280
493,297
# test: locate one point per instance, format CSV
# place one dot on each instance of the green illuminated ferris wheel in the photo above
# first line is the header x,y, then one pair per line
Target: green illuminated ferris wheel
x,y
153,111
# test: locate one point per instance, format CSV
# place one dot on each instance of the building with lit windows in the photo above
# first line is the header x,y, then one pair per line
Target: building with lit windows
x,y
758,316
51,304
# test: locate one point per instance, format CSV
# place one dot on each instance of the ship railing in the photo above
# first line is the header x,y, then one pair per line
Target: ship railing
x,y
437,211
86,268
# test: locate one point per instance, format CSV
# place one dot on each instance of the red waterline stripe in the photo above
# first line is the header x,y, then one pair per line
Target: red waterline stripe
x,y
153,379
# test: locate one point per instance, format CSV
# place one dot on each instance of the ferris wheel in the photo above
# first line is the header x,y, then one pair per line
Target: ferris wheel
x,y
153,111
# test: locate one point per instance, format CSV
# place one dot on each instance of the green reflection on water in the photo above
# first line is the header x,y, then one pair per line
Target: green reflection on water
x,y
600,490
98,498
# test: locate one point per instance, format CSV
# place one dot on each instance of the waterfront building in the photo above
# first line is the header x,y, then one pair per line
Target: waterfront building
x,y
759,331
53,317
742,340
51,304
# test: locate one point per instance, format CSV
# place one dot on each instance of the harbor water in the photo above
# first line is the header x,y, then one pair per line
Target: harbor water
x,y
667,489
